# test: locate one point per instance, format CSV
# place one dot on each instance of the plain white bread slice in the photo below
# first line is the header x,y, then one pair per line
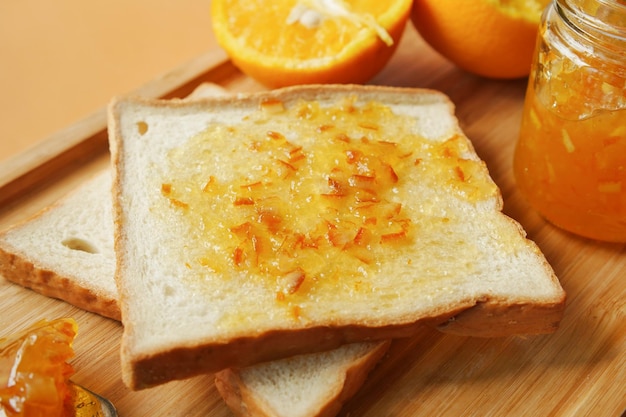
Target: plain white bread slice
x,y
468,259
66,250
294,387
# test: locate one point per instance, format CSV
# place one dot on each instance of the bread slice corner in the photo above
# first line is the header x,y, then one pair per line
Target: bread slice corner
x,y
309,385
65,251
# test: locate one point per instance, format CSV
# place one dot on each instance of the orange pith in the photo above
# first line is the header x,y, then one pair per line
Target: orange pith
x,y
34,373
275,44
491,38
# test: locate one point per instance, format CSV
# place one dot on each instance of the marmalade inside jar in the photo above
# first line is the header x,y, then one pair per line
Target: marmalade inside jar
x,y
570,160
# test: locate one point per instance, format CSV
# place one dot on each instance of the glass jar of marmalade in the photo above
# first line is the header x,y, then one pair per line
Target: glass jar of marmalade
x,y
570,159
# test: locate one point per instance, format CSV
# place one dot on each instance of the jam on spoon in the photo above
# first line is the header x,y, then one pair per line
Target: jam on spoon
x,y
34,374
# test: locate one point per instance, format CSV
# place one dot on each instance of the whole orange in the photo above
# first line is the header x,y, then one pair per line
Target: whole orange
x,y
491,38
288,42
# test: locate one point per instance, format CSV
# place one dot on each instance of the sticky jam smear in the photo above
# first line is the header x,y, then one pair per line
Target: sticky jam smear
x,y
321,194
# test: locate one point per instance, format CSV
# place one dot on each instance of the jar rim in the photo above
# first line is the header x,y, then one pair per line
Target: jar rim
x,y
599,17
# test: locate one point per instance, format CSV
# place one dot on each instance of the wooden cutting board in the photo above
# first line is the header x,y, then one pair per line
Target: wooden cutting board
x,y
578,371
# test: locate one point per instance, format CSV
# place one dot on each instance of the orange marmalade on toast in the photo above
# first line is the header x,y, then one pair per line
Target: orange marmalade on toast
x,y
316,195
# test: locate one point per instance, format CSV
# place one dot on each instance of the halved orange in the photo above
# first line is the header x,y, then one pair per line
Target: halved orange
x,y
289,42
491,38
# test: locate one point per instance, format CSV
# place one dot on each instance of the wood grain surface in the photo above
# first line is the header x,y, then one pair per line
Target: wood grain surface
x,y
578,371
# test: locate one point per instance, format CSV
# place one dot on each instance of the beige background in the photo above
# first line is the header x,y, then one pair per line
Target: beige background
x,y
577,371
61,60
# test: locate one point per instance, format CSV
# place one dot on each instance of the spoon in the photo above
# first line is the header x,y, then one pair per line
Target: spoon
x,y
88,404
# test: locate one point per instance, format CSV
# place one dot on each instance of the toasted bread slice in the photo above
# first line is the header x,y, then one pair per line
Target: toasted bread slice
x,y
254,228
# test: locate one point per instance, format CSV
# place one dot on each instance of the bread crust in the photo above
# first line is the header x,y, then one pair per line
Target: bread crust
x,y
145,371
19,269
481,318
489,319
